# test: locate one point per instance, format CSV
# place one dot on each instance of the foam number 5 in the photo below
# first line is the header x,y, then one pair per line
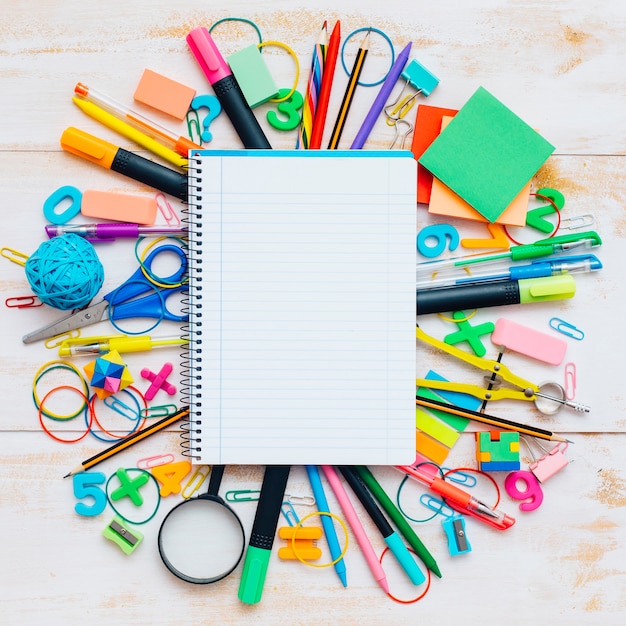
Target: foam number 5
x,y
432,240
532,489
289,107
85,487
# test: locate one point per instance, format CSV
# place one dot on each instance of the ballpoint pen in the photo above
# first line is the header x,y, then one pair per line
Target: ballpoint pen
x,y
379,102
357,528
327,522
486,294
178,143
459,499
390,536
536,269
112,157
541,248
399,520
262,534
101,344
226,89
130,132
97,233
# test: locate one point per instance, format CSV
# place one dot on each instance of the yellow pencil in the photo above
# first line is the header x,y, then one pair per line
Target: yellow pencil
x,y
124,129
348,95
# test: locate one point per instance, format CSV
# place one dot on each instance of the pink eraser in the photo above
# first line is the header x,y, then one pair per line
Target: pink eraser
x,y
528,341
164,94
119,207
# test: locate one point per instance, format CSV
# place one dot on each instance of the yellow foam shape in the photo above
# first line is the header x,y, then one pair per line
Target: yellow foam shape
x,y
514,446
119,207
431,449
164,94
429,424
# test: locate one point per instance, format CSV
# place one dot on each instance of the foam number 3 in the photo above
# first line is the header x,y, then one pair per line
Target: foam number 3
x,y
85,487
532,489
432,240
289,107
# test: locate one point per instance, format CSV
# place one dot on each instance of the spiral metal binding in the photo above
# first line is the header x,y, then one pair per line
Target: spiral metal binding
x,y
191,360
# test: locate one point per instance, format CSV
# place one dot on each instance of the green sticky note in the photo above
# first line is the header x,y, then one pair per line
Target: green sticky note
x,y
486,154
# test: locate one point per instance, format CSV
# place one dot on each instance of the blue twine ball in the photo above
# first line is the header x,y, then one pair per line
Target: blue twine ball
x,y
65,272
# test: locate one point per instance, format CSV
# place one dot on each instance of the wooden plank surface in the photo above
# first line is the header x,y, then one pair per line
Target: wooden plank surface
x,y
559,66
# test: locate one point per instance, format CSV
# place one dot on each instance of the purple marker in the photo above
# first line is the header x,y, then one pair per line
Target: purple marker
x,y
109,232
381,99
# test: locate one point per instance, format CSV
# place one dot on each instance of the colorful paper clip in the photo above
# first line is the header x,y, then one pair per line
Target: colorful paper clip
x,y
565,328
57,340
570,381
121,408
166,210
149,462
14,256
242,495
159,410
195,482
578,221
289,513
453,524
23,302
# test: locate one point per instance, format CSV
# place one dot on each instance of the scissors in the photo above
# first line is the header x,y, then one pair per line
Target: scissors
x,y
548,397
122,302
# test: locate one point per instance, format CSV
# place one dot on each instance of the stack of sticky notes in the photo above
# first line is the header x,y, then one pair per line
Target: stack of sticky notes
x,y
477,163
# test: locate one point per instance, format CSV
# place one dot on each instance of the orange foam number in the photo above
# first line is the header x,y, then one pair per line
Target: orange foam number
x,y
498,239
170,476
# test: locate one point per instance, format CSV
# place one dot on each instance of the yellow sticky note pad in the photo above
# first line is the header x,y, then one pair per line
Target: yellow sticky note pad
x,y
429,424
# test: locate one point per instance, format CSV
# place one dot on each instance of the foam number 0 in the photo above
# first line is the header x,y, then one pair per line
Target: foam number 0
x,y
85,487
532,489
438,234
289,107
170,476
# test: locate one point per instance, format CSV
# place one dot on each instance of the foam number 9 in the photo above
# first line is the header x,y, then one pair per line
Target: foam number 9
x,y
85,487
288,107
438,234
532,490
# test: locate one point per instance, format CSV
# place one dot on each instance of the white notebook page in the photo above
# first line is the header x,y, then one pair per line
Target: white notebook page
x,y
308,307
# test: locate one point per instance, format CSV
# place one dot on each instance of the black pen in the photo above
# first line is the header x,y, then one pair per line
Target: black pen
x,y
226,88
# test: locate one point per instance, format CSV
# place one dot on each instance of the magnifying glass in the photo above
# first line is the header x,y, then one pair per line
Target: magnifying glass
x,y
551,397
201,540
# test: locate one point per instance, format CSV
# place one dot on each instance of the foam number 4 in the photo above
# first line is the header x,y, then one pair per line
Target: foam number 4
x,y
85,487
289,107
532,489
432,240
170,476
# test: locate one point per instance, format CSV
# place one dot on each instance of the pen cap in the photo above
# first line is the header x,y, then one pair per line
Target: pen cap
x,y
208,56
89,147
560,287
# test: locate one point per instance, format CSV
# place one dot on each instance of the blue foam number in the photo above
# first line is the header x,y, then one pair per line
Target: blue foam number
x,y
440,233
85,487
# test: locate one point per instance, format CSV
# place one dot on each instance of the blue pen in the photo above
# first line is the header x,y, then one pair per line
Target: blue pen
x,y
537,269
327,522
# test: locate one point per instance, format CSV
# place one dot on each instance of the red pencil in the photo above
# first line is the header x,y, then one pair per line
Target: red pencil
x,y
327,81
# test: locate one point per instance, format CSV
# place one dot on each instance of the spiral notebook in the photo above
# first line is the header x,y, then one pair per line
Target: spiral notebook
x,y
302,307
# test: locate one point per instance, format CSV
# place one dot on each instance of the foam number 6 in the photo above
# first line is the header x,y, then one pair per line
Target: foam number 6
x,y
85,487
439,234
289,107
532,489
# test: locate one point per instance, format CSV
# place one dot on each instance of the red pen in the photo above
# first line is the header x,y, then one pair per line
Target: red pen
x,y
459,499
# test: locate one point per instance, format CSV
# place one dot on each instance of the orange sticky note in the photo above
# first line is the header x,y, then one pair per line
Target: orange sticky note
x,y
443,201
119,207
427,127
164,94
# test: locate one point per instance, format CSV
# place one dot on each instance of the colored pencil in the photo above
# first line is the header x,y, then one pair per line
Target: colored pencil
x,y
312,91
327,82
349,94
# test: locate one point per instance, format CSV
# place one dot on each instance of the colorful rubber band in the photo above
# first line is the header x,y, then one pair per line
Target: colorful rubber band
x,y
385,37
158,500
45,369
413,600
138,423
48,432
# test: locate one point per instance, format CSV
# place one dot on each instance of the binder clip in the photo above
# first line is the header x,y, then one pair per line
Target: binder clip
x,y
453,525
300,543
549,464
118,533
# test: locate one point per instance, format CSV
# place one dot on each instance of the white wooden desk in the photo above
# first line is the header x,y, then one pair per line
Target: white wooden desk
x,y
559,66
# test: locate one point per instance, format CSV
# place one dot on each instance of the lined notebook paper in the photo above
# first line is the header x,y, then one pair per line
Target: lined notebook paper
x,y
302,292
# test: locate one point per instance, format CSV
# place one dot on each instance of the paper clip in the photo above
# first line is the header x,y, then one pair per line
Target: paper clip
x,y
154,461
198,476
166,210
289,513
57,340
14,256
161,410
578,221
570,380
122,408
459,477
242,495
304,500
23,302
565,328
398,135
193,127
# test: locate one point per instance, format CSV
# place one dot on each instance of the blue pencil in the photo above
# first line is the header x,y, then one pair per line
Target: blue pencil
x,y
327,522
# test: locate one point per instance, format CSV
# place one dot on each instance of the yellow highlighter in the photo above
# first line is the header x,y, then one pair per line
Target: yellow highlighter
x,y
126,130
121,343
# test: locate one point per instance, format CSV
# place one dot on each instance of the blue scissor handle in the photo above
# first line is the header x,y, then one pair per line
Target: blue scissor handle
x,y
138,283
153,305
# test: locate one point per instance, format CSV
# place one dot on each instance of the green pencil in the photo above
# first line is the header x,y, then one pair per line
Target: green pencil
x,y
403,526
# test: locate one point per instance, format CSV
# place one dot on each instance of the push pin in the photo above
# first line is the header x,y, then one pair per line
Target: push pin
x,y
118,533
159,381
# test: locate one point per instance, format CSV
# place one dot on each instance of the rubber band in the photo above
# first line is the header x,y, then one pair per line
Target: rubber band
x,y
143,331
149,274
394,598
280,44
384,36
427,519
477,471
299,525
158,501
558,220
445,318
45,369
139,422
238,19
48,432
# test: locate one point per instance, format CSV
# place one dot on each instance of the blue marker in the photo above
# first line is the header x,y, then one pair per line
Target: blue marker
x,y
327,522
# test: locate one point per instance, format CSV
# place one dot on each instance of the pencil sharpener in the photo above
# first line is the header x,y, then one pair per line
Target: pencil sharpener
x,y
454,527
